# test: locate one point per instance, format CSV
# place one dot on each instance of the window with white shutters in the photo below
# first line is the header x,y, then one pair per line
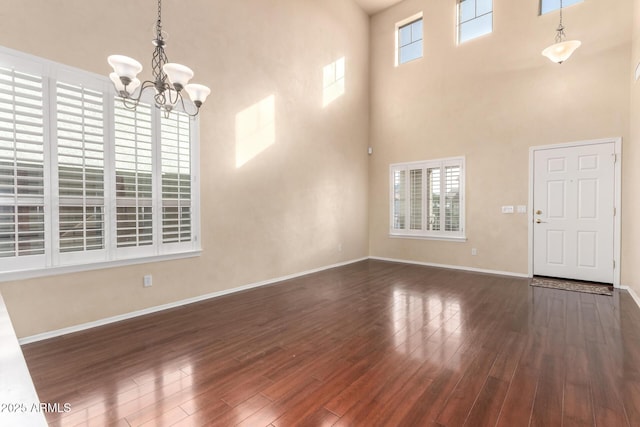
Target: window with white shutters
x,y
415,196
84,181
176,178
452,198
134,175
22,207
431,195
433,199
80,149
399,198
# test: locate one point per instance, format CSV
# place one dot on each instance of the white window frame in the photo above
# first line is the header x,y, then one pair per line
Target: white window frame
x,y
410,20
55,262
441,234
565,4
477,17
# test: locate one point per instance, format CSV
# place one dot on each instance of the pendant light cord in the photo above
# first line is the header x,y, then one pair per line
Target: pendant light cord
x,y
560,36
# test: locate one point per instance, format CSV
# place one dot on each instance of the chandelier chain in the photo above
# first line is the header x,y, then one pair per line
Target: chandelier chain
x,y
159,23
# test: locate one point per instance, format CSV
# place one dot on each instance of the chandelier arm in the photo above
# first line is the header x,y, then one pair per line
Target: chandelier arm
x,y
131,101
145,85
184,107
178,98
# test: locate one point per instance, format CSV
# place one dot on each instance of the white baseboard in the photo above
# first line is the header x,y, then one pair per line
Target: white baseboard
x,y
137,313
453,267
633,294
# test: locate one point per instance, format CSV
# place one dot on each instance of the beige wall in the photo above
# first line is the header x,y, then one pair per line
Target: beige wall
x,y
287,210
631,235
491,99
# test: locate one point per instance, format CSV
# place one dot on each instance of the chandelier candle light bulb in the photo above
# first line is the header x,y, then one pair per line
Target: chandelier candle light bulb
x,y
126,68
197,93
169,79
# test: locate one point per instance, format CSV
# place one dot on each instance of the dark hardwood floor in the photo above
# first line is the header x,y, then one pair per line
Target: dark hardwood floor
x,y
369,344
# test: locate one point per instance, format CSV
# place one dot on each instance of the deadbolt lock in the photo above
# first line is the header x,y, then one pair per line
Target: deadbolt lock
x,y
538,212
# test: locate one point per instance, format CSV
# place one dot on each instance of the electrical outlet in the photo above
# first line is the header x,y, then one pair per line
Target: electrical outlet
x,y
339,247
474,251
147,281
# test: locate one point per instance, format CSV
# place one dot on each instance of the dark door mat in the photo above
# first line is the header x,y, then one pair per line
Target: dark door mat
x,y
572,285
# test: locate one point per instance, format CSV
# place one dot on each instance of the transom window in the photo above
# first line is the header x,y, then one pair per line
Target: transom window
x,y
475,19
547,6
427,199
84,180
409,40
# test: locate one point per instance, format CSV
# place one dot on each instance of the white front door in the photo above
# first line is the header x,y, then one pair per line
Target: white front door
x,y
573,212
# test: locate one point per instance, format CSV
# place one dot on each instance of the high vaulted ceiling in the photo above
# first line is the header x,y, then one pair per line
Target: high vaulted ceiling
x,y
374,6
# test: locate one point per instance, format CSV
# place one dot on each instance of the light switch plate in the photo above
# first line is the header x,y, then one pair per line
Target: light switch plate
x,y
507,209
521,209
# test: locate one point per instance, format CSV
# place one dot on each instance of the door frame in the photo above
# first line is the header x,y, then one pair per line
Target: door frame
x,y
617,141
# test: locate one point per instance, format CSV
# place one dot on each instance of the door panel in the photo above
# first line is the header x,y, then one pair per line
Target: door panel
x,y
574,212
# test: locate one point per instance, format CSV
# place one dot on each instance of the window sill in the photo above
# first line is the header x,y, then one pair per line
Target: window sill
x,y
66,269
419,237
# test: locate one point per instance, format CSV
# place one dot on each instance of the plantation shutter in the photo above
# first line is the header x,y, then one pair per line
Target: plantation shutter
x,y
22,223
133,163
433,199
176,178
80,149
452,198
415,198
399,199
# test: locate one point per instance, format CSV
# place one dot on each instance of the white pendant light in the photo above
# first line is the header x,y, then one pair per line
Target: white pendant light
x,y
561,50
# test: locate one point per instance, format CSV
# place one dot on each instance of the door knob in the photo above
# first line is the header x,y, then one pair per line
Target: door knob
x,y
539,221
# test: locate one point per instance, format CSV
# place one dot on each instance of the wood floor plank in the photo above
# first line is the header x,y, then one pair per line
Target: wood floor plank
x,y
548,403
486,409
516,409
372,343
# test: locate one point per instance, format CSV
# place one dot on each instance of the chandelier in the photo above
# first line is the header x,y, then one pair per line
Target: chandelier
x,y
170,80
561,50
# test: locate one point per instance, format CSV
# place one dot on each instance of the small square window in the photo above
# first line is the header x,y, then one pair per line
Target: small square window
x,y
475,19
409,41
547,6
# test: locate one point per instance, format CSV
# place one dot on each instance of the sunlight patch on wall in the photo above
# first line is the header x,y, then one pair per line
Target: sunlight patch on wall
x,y
333,79
255,130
